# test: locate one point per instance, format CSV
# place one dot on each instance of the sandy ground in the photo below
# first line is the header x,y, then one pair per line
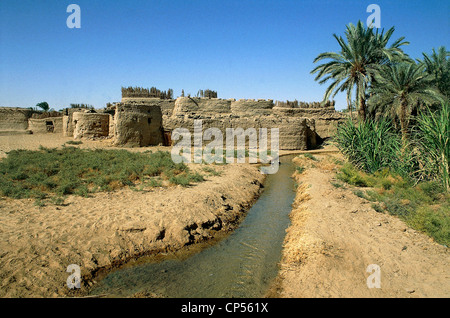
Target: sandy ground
x,y
335,236
34,141
37,244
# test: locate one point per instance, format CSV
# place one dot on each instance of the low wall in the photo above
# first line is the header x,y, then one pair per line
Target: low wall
x,y
251,107
167,105
46,125
14,118
214,106
200,106
294,133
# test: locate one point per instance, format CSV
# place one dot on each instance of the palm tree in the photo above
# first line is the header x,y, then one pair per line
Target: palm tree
x,y
44,106
400,87
438,65
359,59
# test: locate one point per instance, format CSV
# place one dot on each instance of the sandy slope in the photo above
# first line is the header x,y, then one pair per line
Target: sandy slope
x,y
336,235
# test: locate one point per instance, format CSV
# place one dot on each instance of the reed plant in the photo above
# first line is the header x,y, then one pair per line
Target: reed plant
x,y
369,145
433,142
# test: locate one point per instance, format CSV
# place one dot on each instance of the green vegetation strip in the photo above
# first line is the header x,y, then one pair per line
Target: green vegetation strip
x,y
70,170
424,206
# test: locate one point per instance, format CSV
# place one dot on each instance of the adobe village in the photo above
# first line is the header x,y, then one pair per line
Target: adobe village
x,y
333,236
146,120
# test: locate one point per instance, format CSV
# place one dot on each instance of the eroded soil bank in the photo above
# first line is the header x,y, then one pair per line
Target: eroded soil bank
x,y
103,231
241,265
334,236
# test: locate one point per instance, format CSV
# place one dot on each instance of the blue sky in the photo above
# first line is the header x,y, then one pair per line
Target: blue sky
x,y
240,48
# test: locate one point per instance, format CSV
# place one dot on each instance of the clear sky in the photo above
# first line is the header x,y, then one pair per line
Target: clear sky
x,y
240,48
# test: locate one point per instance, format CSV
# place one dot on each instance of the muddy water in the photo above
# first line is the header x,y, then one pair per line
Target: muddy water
x,y
241,265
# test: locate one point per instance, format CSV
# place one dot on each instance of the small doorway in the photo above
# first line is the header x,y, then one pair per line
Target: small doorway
x,y
49,125
167,137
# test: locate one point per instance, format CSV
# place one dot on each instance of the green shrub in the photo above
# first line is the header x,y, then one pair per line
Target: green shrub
x,y
56,200
377,207
212,171
310,156
350,175
337,185
74,142
154,183
432,189
360,194
186,178
372,195
300,169
387,184
196,177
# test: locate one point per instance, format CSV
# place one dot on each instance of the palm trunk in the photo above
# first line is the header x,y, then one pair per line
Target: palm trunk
x,y
349,106
403,123
362,108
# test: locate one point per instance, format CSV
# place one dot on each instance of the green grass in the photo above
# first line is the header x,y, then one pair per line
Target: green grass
x,y
50,173
337,185
300,169
186,179
310,156
211,171
377,207
74,142
424,206
349,174
360,193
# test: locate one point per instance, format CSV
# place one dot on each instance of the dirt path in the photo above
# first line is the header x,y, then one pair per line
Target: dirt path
x,y
336,235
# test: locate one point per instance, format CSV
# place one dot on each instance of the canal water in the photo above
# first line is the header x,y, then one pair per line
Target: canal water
x,y
242,265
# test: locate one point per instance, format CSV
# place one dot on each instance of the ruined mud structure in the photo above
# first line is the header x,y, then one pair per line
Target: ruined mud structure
x,y
90,125
147,121
22,120
300,128
14,119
